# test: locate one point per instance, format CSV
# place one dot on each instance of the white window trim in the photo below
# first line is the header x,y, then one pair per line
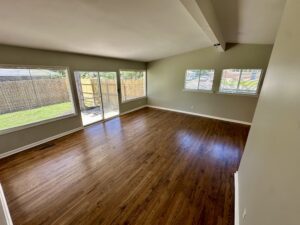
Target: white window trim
x,y
199,90
22,127
18,128
137,98
240,93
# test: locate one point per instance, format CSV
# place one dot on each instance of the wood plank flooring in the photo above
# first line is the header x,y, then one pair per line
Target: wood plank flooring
x,y
149,167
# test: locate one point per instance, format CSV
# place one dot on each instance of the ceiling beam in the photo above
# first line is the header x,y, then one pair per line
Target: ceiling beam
x,y
204,14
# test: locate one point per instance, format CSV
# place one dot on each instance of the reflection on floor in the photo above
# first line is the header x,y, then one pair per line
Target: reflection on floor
x,y
94,115
148,167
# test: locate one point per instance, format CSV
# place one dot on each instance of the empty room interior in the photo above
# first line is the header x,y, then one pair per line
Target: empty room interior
x,y
160,112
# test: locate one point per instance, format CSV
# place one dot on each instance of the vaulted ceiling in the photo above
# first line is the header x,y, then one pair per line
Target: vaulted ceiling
x,y
134,29
249,21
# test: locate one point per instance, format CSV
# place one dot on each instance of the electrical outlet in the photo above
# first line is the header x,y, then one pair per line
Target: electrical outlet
x,y
244,214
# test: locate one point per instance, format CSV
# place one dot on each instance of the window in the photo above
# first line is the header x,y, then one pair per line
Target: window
x,y
31,95
199,80
133,84
240,81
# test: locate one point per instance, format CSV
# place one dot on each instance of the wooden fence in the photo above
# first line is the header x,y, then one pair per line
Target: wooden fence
x,y
90,94
132,89
28,94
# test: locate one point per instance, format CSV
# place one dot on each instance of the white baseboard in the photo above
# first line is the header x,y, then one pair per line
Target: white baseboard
x,y
202,115
5,218
23,148
236,200
135,109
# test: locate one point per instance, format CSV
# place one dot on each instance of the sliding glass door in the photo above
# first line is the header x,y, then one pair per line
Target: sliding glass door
x,y
110,96
98,95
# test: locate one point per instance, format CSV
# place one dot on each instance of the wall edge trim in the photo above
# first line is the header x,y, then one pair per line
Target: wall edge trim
x,y
202,115
236,199
132,110
43,141
8,220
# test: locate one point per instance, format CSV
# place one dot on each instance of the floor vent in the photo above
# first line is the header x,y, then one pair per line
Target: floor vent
x,y
45,146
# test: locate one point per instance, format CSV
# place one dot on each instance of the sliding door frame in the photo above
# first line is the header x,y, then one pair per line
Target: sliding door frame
x,y
100,94
118,93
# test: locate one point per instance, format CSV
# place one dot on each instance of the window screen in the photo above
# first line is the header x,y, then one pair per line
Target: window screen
x,y
199,80
31,95
133,84
240,81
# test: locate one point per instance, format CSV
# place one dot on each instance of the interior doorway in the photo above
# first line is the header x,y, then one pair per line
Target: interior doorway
x,y
98,95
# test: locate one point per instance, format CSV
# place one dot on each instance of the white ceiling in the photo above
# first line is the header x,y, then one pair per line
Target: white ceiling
x,y
133,29
249,21
142,30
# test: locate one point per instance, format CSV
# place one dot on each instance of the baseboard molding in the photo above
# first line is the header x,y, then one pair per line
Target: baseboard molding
x,y
202,115
236,200
135,109
23,148
5,211
26,147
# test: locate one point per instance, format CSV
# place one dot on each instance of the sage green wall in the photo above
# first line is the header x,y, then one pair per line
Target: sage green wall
x,y
166,81
269,172
25,56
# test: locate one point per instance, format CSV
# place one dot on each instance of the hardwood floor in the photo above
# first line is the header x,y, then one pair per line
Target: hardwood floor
x,y
148,167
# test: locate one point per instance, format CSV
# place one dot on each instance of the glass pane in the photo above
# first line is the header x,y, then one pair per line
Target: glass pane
x,y
249,81
33,95
230,80
14,82
89,95
109,94
133,84
192,79
57,79
206,79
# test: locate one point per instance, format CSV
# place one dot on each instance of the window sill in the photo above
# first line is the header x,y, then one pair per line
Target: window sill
x,y
238,94
134,99
198,91
14,129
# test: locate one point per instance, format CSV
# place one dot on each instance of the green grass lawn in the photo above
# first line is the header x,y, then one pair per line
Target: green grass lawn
x,y
243,84
24,117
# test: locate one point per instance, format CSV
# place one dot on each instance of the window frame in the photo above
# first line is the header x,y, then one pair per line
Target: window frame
x,y
256,94
145,83
199,90
35,124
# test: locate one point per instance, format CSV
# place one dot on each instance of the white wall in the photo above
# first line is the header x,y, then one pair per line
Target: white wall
x,y
5,218
269,173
